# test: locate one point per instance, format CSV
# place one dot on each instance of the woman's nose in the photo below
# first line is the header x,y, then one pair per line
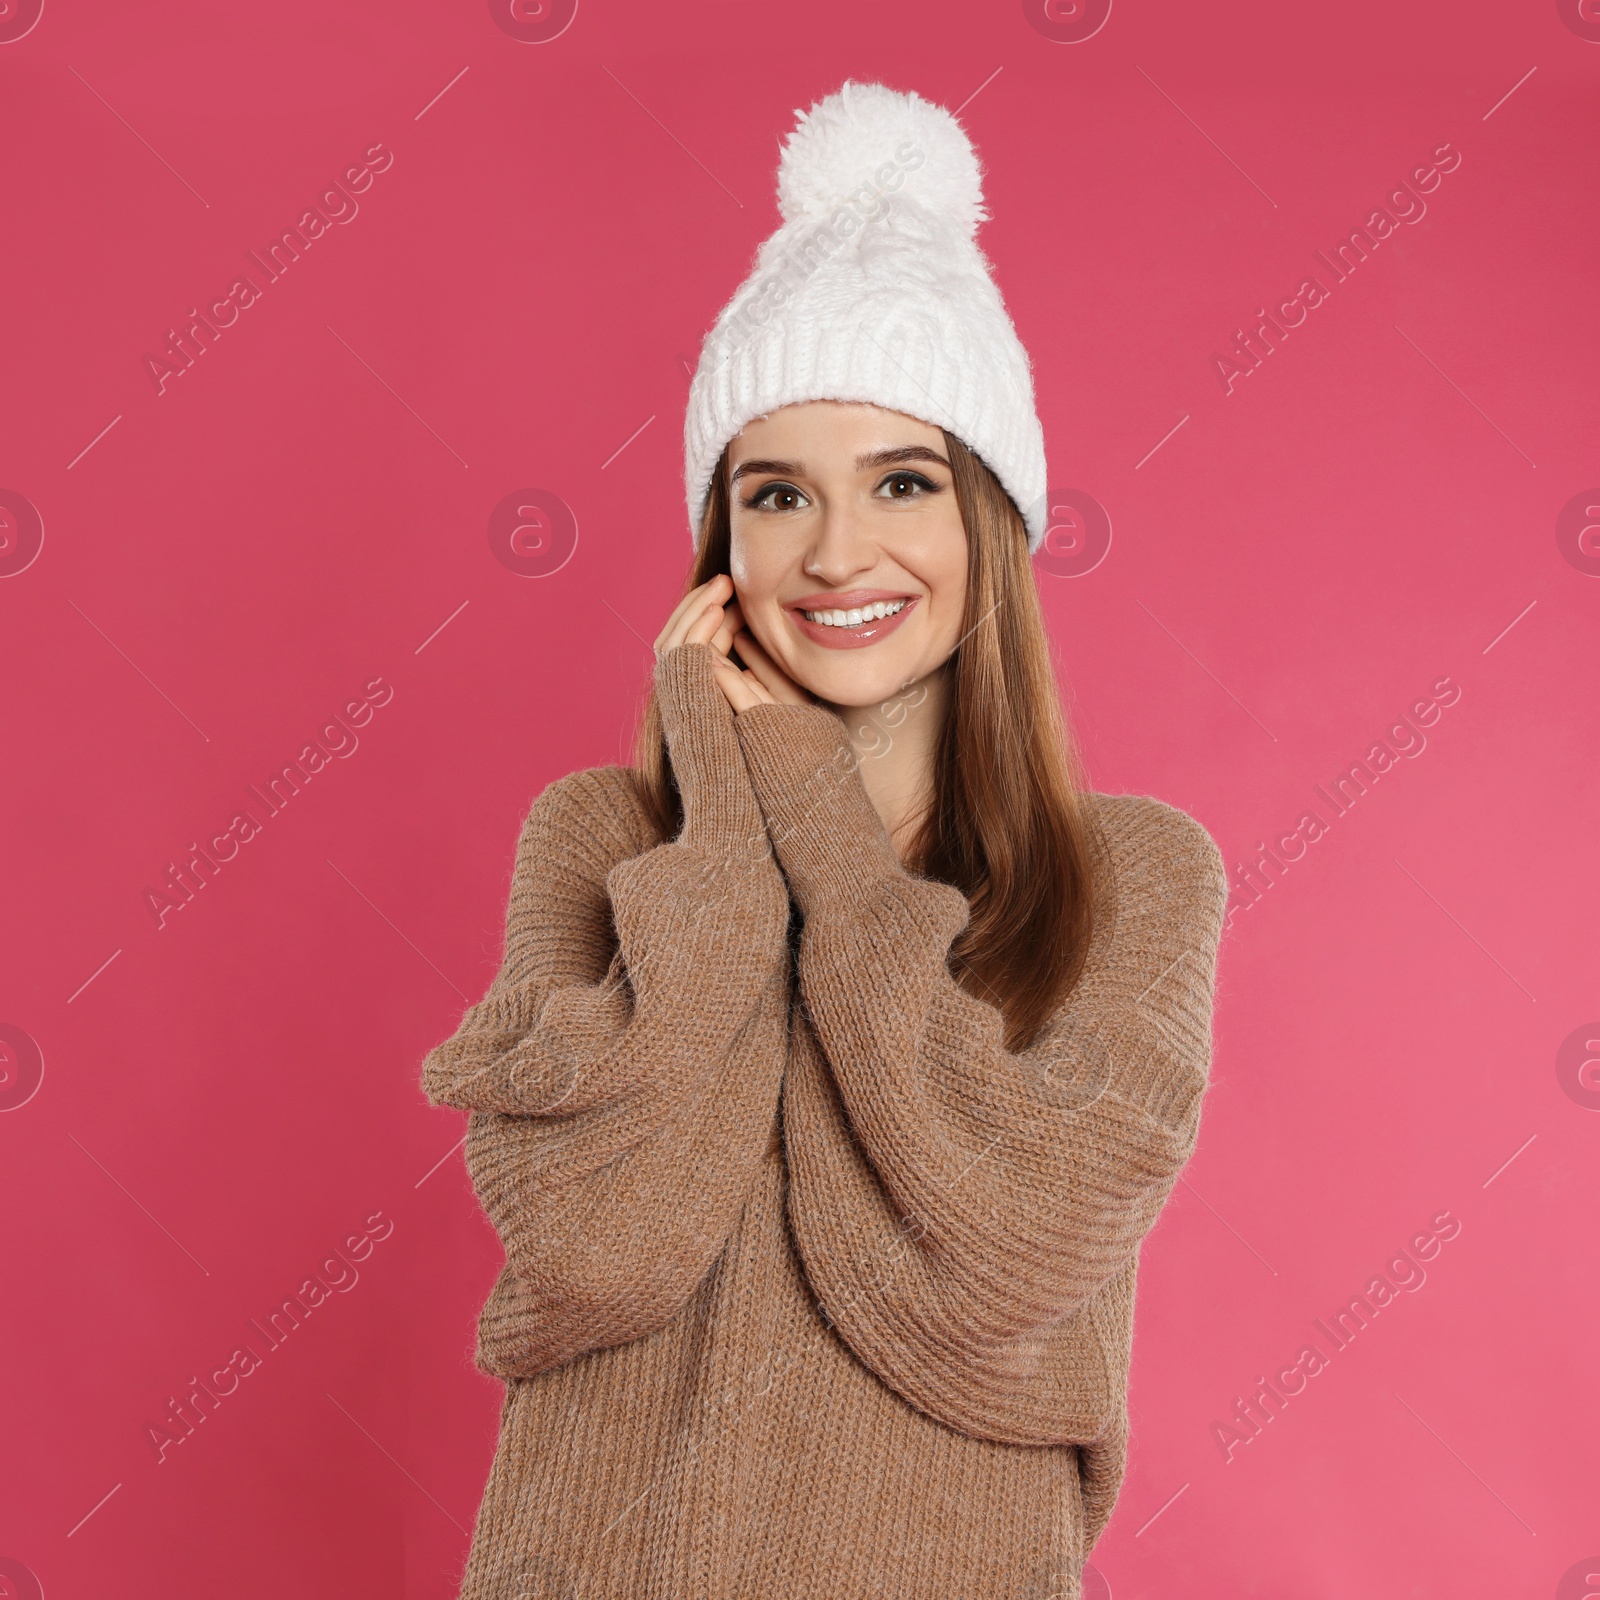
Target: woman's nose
x,y
842,546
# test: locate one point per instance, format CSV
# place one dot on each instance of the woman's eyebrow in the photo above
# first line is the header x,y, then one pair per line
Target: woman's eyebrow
x,y
895,456
789,469
889,458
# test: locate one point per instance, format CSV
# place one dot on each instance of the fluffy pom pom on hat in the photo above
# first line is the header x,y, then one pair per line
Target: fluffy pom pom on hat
x,y
874,289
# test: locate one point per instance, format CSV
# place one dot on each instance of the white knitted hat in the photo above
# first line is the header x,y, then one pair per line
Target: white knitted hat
x,y
874,289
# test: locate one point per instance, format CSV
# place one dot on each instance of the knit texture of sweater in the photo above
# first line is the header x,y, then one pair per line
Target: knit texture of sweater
x,y
813,1290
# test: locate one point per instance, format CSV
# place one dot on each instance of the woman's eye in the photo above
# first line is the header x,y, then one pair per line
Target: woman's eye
x,y
777,497
907,486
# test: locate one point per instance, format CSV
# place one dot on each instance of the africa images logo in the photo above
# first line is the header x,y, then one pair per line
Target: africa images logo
x,y
335,739
336,203
336,1274
1402,204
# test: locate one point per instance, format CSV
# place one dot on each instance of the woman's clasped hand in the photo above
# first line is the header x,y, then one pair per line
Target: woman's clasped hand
x,y
709,614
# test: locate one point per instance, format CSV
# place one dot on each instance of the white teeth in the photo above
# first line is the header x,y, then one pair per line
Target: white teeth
x,y
856,615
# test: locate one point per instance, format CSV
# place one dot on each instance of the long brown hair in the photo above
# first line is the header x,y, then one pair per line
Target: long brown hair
x,y
1008,825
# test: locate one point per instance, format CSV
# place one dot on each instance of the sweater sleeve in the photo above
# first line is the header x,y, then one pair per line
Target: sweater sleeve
x,y
970,1217
619,1074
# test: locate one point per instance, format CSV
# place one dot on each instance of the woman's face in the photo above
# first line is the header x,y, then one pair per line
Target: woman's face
x,y
836,507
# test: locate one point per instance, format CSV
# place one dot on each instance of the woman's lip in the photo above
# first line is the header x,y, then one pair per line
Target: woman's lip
x,y
852,638
845,601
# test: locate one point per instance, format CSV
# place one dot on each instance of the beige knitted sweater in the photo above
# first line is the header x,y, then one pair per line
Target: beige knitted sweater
x,y
812,1289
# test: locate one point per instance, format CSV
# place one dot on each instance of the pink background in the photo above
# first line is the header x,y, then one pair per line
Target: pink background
x,y
226,1099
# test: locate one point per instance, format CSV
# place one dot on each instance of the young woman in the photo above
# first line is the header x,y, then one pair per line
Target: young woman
x,y
845,1048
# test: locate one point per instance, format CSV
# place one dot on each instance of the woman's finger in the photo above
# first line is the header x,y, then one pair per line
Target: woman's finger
x,y
741,690
683,616
732,622
693,602
703,627
688,611
780,687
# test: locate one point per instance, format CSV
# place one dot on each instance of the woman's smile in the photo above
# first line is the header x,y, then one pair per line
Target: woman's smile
x,y
851,620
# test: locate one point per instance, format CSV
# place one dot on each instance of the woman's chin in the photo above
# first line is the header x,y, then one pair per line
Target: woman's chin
x,y
856,683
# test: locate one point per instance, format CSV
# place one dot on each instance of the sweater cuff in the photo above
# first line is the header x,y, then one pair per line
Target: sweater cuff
x,y
825,831
720,813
